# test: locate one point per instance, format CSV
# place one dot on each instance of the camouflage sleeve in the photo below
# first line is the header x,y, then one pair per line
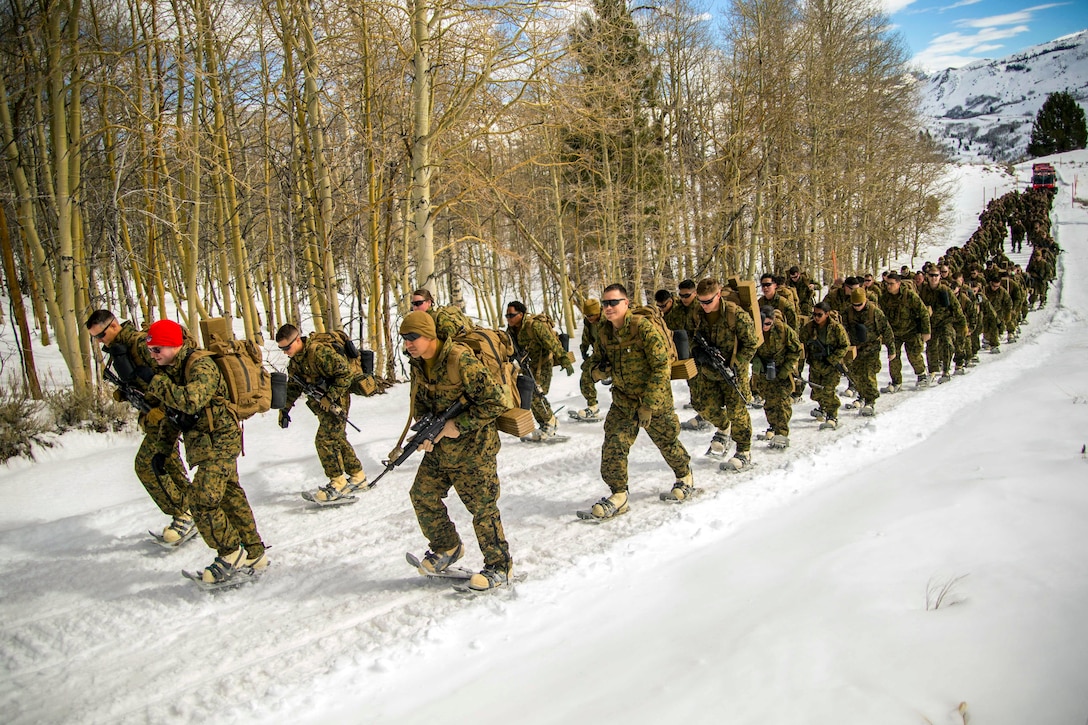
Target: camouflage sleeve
x,y
586,341
196,394
837,343
883,329
923,316
549,341
789,312
483,392
333,367
747,342
958,318
294,390
791,350
658,388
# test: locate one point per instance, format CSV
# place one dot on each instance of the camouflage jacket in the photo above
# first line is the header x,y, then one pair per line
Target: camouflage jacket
x,y
455,374
944,308
780,345
971,312
680,317
1000,301
877,330
591,334
737,342
538,340
838,298
133,339
906,313
203,394
825,347
806,295
319,364
636,357
784,305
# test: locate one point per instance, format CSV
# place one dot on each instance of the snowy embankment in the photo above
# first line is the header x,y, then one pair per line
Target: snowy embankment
x,y
795,592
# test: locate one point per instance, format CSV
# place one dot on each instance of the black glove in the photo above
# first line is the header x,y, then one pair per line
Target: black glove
x,y
285,419
158,464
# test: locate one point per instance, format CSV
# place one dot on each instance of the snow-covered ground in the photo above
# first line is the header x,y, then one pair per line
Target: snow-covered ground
x,y
795,592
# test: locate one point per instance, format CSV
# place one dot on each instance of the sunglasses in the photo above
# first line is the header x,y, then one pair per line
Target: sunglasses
x,y
704,303
613,303
935,276
285,348
687,296
858,305
155,350
100,336
819,315
417,303
765,284
512,315
411,336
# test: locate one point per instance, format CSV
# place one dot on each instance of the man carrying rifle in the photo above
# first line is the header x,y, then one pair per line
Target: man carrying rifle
x,y
724,343
321,373
826,343
158,464
462,456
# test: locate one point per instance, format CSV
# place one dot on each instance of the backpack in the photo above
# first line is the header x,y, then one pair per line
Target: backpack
x,y
543,319
361,382
494,349
653,314
249,385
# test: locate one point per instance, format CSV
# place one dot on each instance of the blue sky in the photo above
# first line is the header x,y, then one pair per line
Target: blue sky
x,y
951,33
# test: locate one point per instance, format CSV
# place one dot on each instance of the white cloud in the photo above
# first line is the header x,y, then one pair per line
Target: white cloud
x,y
952,50
1020,16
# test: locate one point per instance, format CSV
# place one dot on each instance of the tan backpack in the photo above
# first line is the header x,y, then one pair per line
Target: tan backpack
x,y
249,385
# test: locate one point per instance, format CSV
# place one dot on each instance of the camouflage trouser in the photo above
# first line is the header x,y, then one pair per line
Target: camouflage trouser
x,y
168,492
963,350
221,509
586,384
620,431
542,409
477,485
777,401
331,441
863,370
913,345
722,405
825,396
940,349
992,330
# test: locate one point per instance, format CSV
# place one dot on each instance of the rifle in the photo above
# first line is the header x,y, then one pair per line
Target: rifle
x,y
716,361
317,393
427,428
138,400
842,369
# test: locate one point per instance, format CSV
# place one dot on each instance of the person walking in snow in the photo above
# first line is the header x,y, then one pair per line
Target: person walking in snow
x,y
591,333
189,381
773,368
634,353
538,349
319,367
825,341
464,454
158,461
909,319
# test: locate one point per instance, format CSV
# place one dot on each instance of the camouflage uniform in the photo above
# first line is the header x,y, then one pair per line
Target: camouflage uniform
x,y
321,365
636,357
867,329
218,503
806,296
945,317
466,463
1001,304
973,315
783,304
838,299
782,346
908,317
590,341
681,317
825,349
538,340
710,392
168,492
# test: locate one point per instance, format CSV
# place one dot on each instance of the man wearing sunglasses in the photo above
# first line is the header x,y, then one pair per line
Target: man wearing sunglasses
x,y
773,369
462,456
768,284
805,289
946,317
908,317
635,354
190,382
537,347
825,341
158,462
727,327
318,365
681,316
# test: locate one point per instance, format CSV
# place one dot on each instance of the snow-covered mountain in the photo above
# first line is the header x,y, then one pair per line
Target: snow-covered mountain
x,y
984,111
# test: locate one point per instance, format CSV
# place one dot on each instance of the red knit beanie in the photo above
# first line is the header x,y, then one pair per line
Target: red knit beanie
x,y
164,333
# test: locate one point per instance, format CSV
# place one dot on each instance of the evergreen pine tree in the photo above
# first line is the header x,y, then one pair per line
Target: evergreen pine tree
x,y
1060,126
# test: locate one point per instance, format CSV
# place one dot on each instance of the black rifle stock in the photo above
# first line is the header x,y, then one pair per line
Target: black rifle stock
x,y
136,398
317,393
718,363
427,428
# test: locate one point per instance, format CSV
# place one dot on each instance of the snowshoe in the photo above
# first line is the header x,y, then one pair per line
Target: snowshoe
x,y
450,572
779,441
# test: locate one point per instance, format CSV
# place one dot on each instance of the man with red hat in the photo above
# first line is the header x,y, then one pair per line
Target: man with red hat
x,y
189,381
